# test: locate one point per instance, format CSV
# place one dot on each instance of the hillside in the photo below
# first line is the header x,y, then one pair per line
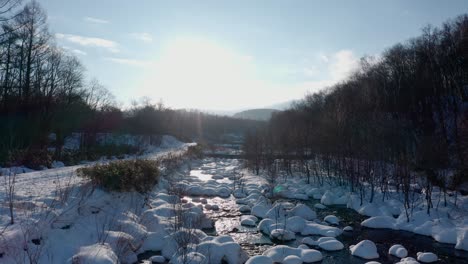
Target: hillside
x,y
256,114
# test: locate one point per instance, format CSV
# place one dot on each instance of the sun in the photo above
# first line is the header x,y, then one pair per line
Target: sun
x,y
199,72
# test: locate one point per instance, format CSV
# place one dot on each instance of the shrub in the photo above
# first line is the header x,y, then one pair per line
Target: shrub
x,y
31,158
195,151
123,176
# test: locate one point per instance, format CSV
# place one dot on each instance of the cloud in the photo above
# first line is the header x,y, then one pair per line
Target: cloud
x,y
342,64
90,41
143,36
95,20
76,51
130,62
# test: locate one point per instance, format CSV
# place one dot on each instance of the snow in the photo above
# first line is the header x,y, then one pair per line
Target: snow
x,y
248,220
95,254
427,257
365,249
398,251
292,260
279,253
380,222
157,259
462,240
260,210
331,245
319,206
331,219
408,260
282,235
348,229
303,211
259,260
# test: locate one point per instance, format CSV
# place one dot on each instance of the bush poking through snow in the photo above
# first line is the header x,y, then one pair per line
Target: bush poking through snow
x,y
123,176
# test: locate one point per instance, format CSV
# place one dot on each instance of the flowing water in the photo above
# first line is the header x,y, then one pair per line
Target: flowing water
x,y
227,222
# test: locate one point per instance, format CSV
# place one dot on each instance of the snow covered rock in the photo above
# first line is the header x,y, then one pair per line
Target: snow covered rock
x,y
248,220
303,211
331,245
244,209
328,198
282,234
318,229
331,219
427,257
279,253
157,259
319,206
260,210
462,240
95,254
365,249
380,222
295,224
407,260
398,251
259,260
222,247
348,229
292,260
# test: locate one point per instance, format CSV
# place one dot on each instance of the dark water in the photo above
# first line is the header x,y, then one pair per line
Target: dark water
x,y
255,243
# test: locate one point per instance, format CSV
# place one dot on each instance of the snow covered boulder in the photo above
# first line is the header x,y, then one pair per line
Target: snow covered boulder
x,y
380,222
292,260
462,240
319,206
328,198
95,254
248,220
407,260
220,248
259,260
365,249
260,210
295,224
244,209
279,253
157,259
303,211
331,219
322,230
398,251
282,235
348,229
331,245
427,257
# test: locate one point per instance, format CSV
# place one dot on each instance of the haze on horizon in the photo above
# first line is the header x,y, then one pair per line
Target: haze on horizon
x,y
228,55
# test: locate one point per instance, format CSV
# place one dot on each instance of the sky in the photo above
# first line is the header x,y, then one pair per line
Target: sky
x,y
228,55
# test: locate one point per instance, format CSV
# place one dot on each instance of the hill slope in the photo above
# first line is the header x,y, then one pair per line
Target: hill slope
x,y
256,114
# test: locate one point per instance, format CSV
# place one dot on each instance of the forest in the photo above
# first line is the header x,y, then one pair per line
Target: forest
x,y
401,118
44,90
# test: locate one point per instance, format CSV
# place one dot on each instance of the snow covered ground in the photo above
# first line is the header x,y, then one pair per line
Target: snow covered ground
x,y
61,219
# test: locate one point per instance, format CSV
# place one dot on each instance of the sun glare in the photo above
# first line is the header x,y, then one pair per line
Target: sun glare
x,y
195,71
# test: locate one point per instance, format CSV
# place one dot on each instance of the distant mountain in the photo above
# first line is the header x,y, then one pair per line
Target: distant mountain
x,y
283,105
256,114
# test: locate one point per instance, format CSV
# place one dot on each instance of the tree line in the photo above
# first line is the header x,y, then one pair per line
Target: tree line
x,y
44,90
401,118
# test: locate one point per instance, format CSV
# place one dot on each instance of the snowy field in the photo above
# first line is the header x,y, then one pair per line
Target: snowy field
x,y
61,219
